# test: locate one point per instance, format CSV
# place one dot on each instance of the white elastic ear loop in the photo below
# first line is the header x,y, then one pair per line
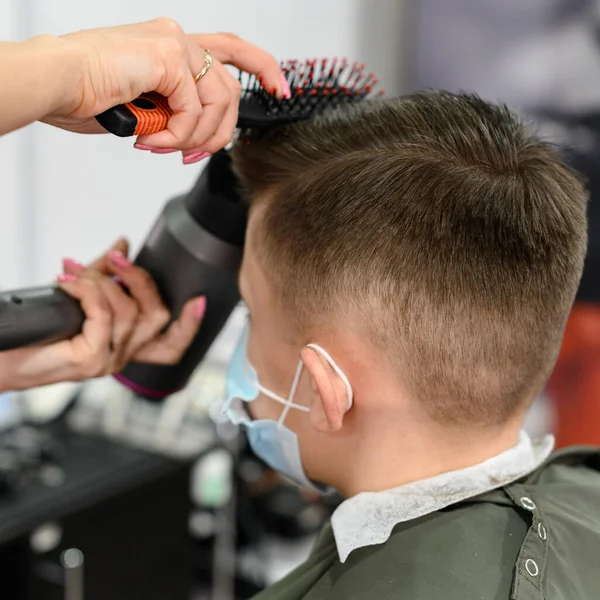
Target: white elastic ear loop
x,y
340,373
290,400
288,403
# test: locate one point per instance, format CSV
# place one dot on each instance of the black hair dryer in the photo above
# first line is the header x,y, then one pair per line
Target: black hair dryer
x,y
194,249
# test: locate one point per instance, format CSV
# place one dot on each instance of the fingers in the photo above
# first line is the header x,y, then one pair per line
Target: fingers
x,y
176,84
214,93
122,326
101,264
170,347
122,321
215,98
185,104
147,342
90,350
118,323
220,95
72,267
204,124
111,317
125,313
230,49
228,124
152,313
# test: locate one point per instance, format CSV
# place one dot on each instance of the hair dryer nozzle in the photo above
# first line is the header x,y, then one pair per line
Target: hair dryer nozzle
x,y
215,201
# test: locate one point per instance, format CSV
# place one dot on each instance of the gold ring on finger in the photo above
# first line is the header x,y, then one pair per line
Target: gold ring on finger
x,y
206,55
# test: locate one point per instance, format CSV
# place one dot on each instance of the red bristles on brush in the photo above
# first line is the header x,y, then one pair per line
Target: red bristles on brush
x,y
315,85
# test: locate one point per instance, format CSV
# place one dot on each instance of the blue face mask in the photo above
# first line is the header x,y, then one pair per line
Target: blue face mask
x,y
271,440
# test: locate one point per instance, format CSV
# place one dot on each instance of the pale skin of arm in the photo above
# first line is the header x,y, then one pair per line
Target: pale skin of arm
x,y
35,77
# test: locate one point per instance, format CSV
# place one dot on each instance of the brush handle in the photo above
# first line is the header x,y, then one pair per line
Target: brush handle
x,y
147,114
38,315
150,113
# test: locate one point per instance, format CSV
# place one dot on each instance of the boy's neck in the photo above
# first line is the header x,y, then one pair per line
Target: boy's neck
x,y
421,456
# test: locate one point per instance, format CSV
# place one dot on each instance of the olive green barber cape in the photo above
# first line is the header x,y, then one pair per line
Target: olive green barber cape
x,y
535,539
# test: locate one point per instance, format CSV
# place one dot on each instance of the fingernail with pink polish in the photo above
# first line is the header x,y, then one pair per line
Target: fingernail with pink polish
x,y
194,158
144,147
72,265
64,278
285,88
200,307
118,259
163,150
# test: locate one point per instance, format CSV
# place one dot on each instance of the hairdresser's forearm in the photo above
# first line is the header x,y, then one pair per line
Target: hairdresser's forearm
x,y
33,366
36,78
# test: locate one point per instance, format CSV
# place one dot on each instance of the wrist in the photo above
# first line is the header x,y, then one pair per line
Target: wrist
x,y
6,367
60,69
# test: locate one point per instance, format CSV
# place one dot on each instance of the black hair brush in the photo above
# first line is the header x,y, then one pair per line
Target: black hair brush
x,y
314,84
195,246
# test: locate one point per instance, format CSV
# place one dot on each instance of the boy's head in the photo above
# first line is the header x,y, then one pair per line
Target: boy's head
x,y
431,245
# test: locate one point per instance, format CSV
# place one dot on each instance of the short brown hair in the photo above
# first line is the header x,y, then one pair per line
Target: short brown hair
x,y
434,224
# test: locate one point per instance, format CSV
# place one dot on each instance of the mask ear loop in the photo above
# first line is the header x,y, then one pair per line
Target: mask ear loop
x,y
290,400
287,403
339,372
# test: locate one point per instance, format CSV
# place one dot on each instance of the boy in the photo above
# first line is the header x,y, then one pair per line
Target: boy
x,y
409,268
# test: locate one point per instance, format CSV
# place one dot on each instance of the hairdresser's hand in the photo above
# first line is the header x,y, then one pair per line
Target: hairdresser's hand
x,y
117,64
140,317
119,327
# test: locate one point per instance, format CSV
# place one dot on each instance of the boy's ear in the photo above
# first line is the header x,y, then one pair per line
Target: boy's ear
x,y
329,401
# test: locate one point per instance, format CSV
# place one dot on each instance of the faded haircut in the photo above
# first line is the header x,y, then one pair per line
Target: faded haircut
x,y
435,225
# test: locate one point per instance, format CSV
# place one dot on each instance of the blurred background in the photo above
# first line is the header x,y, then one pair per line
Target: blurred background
x,y
104,493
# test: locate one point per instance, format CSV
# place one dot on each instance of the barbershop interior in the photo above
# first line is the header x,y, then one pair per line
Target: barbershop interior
x,y
138,484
